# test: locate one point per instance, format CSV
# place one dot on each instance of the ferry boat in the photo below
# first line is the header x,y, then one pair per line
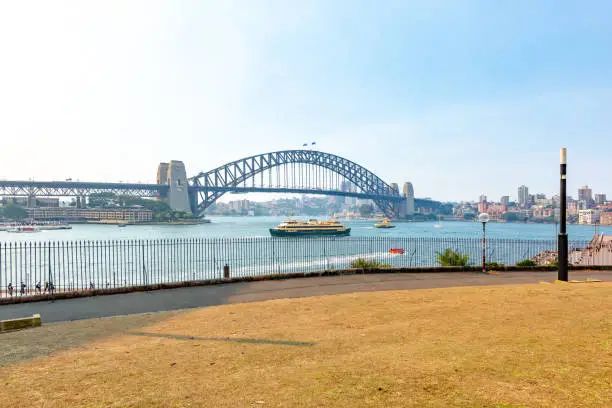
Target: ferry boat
x,y
23,229
293,228
384,224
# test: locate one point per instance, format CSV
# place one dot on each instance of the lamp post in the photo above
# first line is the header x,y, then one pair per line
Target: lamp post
x,y
484,218
562,243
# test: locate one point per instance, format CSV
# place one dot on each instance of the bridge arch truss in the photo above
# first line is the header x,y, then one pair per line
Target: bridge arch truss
x,y
205,188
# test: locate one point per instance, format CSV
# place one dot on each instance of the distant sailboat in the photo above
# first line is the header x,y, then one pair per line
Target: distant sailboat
x,y
438,225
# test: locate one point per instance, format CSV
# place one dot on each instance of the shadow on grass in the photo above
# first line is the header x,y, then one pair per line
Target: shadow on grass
x,y
230,339
40,342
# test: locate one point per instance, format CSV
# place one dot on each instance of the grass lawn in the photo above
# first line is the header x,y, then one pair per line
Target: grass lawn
x,y
510,346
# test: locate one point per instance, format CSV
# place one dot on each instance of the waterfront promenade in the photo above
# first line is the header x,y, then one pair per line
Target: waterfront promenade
x,y
192,297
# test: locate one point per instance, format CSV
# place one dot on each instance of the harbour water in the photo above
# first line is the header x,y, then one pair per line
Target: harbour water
x,y
258,227
102,256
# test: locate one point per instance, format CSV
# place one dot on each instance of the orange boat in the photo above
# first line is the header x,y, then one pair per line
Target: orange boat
x,y
396,251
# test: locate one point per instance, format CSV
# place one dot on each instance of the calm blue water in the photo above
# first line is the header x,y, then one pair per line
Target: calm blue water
x,y
258,226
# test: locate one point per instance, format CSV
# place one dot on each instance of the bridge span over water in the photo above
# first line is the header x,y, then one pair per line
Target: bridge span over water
x,y
286,171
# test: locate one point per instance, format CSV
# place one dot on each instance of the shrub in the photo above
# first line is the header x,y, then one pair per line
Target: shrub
x,y
526,262
452,258
361,263
495,265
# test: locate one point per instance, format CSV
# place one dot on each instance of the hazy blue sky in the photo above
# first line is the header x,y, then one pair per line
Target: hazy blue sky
x,y
459,97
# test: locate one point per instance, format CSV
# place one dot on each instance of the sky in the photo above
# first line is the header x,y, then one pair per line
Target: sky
x,y
460,97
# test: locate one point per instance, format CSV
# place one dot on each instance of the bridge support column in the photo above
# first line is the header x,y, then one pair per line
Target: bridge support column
x,y
176,178
409,194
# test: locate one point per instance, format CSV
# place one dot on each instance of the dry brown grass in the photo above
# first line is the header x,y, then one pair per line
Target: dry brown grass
x,y
511,346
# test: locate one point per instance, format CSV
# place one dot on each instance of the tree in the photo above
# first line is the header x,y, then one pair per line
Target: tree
x,y
510,217
469,216
365,210
452,258
14,212
101,199
446,209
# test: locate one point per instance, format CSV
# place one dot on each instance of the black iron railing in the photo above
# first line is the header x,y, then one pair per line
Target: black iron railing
x,y
41,267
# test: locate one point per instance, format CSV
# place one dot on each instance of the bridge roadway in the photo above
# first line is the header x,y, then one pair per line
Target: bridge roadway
x,y
183,298
82,188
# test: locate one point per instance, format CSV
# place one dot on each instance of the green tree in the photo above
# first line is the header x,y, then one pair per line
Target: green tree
x,y
101,199
510,217
469,216
14,212
365,210
446,209
452,258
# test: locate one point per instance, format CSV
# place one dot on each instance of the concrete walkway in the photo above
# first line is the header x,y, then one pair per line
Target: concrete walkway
x,y
183,298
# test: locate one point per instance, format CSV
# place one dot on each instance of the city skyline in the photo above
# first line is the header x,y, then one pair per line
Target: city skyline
x,y
453,97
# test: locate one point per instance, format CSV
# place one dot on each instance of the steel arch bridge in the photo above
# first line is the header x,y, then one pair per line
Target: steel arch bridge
x,y
294,171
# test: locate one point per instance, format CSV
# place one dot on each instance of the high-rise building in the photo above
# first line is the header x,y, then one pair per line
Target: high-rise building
x,y
523,196
585,194
504,200
482,199
600,199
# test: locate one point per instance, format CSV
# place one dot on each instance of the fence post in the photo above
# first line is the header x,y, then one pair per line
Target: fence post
x,y
144,268
51,285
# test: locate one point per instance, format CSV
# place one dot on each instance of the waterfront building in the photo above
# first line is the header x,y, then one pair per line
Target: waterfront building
x,y
495,211
90,214
600,199
605,218
540,211
588,217
505,200
523,196
482,207
544,202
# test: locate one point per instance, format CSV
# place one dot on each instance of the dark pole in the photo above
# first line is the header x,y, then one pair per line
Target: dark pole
x,y
562,244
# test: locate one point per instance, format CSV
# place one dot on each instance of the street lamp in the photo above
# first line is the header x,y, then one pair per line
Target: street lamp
x,y
484,218
562,246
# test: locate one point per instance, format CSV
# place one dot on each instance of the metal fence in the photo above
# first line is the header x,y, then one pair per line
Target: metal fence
x,y
39,267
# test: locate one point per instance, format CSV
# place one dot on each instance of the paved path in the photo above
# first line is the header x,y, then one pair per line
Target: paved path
x,y
182,298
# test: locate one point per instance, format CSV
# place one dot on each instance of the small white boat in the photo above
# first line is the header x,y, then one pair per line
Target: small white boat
x,y
438,225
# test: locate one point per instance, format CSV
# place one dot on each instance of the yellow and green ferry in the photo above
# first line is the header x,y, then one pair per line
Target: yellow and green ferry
x,y
310,228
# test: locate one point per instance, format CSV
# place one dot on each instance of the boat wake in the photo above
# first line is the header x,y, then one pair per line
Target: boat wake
x,y
310,265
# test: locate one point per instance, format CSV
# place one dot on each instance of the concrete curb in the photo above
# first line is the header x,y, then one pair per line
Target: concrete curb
x,y
334,272
19,324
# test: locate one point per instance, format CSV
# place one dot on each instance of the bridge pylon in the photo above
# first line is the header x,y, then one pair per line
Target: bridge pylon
x,y
174,175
